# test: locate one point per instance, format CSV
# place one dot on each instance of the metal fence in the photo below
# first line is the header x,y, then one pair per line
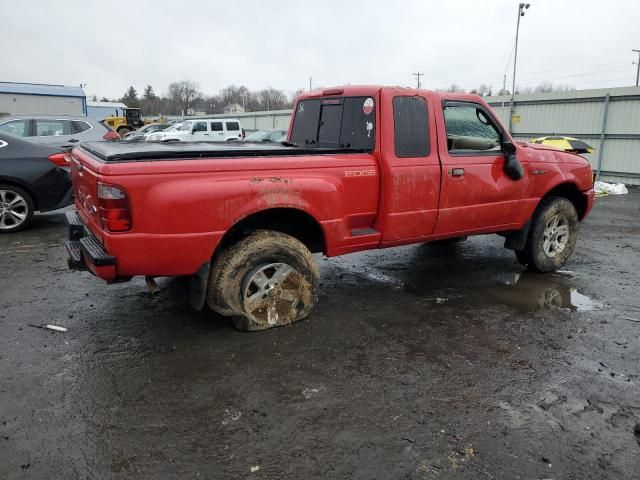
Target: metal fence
x,y
607,119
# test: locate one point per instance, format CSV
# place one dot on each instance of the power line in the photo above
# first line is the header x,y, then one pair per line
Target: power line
x,y
418,75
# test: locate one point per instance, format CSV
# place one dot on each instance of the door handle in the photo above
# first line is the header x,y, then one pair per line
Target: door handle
x,y
73,140
456,172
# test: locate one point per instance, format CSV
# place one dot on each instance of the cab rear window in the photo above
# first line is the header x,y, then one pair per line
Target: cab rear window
x,y
346,123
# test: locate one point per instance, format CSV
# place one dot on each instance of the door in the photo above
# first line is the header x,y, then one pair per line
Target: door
x,y
199,132
232,130
217,132
476,195
411,168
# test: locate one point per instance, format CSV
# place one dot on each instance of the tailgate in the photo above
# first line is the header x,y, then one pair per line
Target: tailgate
x,y
85,188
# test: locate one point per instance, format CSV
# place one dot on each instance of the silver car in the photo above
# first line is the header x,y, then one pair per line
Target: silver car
x,y
56,131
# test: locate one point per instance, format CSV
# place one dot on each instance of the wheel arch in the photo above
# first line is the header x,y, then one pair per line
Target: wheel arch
x,y
24,186
291,221
571,192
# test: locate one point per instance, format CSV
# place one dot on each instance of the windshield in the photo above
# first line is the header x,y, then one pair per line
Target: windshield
x,y
335,122
265,136
173,127
256,136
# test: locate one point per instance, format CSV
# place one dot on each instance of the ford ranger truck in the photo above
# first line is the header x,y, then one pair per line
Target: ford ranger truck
x,y
363,167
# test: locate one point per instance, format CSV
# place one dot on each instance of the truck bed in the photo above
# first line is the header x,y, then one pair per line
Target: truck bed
x,y
114,152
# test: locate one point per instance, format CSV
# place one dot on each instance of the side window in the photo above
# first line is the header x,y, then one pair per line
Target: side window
x,y
79,126
411,127
17,128
216,126
233,126
200,127
470,129
51,128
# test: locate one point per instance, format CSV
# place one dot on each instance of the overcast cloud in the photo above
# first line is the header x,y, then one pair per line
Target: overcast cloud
x,y
111,45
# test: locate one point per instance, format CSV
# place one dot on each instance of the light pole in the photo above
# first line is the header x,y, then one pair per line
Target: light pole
x,y
521,8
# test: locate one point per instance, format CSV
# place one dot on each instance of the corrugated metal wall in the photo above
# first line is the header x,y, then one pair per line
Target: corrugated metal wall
x,y
580,114
20,104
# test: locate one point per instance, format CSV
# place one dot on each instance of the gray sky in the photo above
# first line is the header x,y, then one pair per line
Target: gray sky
x,y
111,45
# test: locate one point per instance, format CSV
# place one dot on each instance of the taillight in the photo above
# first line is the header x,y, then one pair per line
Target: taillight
x,y
114,208
111,135
60,159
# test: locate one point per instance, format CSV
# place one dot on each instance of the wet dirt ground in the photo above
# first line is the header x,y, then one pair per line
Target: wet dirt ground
x,y
419,362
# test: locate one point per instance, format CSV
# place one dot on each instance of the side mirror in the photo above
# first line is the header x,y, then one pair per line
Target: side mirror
x,y
508,148
512,167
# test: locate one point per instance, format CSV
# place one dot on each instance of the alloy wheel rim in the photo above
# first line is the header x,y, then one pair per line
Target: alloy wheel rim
x,y
556,235
273,293
14,209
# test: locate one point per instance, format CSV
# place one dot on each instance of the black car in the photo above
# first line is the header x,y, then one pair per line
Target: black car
x,y
32,178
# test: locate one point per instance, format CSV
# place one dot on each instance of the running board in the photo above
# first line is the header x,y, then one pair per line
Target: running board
x,y
360,232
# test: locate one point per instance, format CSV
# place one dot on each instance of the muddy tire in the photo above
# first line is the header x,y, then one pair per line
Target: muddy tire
x,y
552,236
268,279
16,209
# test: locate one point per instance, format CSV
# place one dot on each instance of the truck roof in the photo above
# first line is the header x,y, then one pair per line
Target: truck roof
x,y
372,90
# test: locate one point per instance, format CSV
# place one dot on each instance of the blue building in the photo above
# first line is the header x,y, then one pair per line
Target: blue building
x,y
41,99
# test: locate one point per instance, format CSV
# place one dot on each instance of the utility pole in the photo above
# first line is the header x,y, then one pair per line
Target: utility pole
x,y
418,75
521,8
638,64
310,83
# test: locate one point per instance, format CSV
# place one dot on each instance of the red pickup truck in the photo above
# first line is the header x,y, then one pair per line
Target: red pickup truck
x,y
363,167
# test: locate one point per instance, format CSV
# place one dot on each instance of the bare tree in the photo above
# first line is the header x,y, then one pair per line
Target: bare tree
x,y
183,95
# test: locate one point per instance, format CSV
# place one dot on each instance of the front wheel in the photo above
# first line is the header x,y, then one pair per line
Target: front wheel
x,y
16,209
268,279
552,236
123,131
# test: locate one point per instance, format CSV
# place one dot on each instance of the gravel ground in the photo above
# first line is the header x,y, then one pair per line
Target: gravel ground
x,y
419,362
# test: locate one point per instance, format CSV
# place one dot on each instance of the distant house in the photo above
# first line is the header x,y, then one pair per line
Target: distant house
x,y
233,108
41,99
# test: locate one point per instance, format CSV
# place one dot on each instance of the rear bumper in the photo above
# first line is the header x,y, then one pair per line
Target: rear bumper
x,y
86,253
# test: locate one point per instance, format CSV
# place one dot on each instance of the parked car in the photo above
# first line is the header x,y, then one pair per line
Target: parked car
x,y
32,178
57,131
363,168
270,136
201,130
138,135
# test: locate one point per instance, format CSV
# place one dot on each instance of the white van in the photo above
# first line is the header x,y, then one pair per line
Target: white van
x,y
201,130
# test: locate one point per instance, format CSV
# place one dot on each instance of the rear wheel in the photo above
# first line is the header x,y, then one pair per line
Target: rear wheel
x,y
268,279
16,209
552,236
123,131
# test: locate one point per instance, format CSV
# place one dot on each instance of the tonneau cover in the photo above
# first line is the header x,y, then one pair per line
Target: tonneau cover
x,y
130,151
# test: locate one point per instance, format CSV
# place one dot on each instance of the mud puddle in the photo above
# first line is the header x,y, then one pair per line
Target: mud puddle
x,y
529,292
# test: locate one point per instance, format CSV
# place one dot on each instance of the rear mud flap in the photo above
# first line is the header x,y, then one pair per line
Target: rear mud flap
x,y
198,287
